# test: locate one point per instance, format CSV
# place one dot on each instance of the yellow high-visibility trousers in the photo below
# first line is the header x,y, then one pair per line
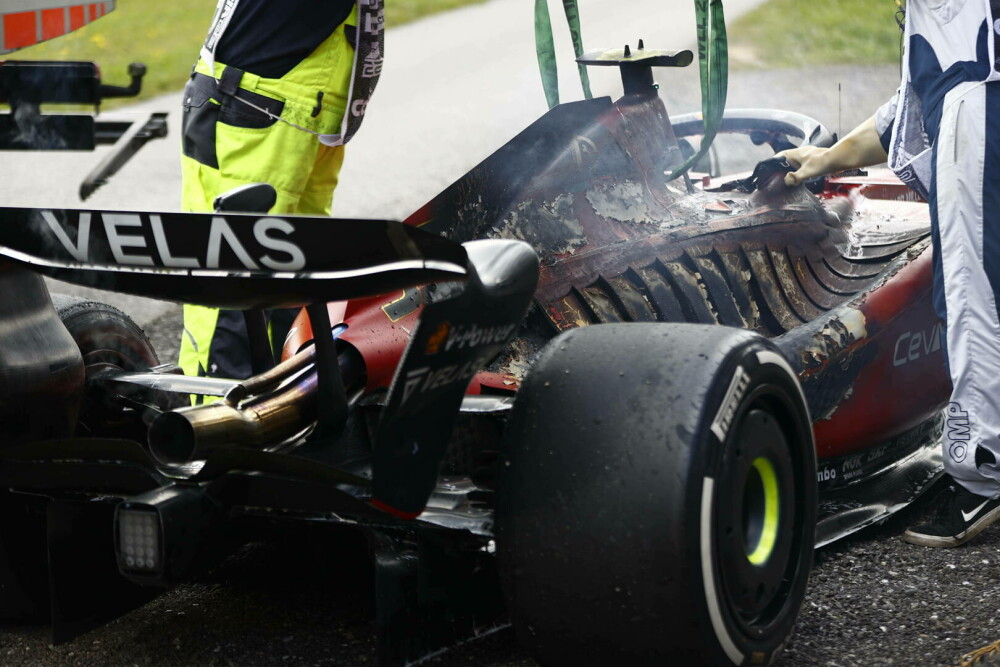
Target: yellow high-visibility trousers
x,y
235,140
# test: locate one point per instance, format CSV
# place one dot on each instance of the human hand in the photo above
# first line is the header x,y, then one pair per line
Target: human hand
x,y
809,162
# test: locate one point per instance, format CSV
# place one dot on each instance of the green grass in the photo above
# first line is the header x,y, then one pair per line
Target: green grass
x,y
166,36
796,33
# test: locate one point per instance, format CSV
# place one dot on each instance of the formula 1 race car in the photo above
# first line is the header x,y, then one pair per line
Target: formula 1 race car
x,y
568,391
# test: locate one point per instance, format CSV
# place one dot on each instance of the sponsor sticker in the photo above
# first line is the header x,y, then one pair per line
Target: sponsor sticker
x,y
128,238
957,432
914,345
734,395
474,335
424,380
448,337
438,338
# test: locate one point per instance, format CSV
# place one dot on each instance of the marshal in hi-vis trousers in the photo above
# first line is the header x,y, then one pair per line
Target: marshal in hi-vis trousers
x,y
228,143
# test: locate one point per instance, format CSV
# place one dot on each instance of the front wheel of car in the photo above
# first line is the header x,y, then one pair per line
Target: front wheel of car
x,y
657,498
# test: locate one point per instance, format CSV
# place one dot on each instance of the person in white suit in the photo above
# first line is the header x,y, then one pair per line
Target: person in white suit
x,y
941,135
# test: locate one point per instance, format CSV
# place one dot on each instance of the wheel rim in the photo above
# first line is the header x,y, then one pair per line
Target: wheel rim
x,y
761,511
758,528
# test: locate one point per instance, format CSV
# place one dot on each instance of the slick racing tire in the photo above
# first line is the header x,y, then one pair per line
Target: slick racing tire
x,y
656,498
109,341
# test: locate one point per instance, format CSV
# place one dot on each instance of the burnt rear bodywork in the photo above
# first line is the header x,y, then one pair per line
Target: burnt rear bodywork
x,y
840,278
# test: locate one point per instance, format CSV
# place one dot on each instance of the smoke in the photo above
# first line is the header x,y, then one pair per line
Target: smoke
x,y
29,131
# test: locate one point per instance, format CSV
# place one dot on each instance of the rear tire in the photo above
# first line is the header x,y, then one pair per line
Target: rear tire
x,y
657,498
109,341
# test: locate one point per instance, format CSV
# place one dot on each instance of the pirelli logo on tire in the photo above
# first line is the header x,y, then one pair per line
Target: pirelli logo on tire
x,y
730,402
29,22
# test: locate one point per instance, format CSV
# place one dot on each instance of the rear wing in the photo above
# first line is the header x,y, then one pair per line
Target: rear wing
x,y
29,22
227,260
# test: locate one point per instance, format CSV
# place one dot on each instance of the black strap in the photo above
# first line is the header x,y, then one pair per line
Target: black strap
x,y
760,173
230,81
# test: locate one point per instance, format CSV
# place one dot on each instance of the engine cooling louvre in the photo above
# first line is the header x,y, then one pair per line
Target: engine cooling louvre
x,y
768,288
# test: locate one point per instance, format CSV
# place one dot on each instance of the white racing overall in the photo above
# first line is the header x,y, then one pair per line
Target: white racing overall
x,y
942,133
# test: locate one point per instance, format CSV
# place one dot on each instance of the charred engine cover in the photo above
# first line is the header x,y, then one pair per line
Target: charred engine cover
x,y
41,369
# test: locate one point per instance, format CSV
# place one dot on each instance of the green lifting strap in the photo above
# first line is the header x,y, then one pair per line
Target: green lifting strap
x,y
713,63
546,50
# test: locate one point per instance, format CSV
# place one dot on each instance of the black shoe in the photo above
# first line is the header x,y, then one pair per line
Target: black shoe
x,y
958,517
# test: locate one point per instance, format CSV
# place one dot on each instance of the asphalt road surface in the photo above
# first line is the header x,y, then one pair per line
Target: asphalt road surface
x,y
454,89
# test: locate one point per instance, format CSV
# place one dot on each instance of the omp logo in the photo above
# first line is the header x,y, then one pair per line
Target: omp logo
x,y
958,432
914,345
127,235
437,339
737,389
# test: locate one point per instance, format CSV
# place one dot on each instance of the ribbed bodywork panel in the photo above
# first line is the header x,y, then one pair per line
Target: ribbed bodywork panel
x,y
770,289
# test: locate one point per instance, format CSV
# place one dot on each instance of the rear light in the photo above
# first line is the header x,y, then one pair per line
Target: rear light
x,y
165,535
140,543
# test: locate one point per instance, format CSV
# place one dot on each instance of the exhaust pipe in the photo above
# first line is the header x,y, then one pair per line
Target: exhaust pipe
x,y
248,417
272,378
188,434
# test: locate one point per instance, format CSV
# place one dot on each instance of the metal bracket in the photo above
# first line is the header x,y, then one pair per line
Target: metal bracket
x,y
127,145
261,355
332,399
